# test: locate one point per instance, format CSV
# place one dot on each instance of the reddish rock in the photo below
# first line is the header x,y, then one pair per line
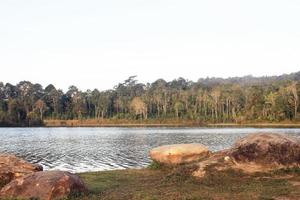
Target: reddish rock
x,y
179,153
218,161
12,167
260,152
267,148
47,185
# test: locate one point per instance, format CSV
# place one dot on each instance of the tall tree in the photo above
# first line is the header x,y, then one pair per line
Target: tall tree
x,y
138,107
41,107
293,90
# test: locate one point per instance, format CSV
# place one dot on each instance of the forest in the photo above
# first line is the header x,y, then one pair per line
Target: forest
x,y
213,100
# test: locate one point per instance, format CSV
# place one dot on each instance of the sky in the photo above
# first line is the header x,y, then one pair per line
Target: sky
x,y
99,43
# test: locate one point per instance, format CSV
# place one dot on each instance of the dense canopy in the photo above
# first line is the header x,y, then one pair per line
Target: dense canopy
x,y
211,100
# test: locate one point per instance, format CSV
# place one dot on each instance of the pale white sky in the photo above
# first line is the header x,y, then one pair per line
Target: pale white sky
x,y
98,43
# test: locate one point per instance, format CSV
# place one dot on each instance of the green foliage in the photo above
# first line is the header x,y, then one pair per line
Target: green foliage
x,y
284,171
268,99
155,165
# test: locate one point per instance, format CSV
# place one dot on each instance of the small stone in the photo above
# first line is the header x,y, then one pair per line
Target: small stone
x,y
226,158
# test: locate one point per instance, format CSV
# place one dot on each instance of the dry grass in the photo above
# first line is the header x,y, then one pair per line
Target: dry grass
x,y
161,123
121,123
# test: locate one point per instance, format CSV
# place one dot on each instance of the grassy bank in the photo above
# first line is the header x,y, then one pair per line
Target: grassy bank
x,y
162,123
165,184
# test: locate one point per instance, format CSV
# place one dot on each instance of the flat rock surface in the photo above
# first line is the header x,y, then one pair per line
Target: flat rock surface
x,y
179,153
47,185
12,167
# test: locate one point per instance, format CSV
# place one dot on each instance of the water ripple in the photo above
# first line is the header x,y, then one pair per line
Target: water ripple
x,y
96,149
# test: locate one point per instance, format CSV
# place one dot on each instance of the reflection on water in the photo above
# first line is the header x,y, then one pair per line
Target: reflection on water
x,y
94,149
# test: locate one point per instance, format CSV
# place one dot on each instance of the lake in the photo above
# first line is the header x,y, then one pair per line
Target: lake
x,y
97,149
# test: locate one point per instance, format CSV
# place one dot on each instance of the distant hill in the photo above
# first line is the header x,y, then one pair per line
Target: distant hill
x,y
251,80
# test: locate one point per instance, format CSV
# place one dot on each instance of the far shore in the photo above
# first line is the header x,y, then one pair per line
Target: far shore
x,y
165,123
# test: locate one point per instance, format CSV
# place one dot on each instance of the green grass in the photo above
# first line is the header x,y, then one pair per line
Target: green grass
x,y
176,183
155,165
159,182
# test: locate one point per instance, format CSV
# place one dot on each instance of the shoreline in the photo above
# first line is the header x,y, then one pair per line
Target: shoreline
x,y
220,179
168,124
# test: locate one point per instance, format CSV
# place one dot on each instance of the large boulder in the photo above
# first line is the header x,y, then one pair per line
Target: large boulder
x,y
179,153
260,152
267,148
12,167
47,185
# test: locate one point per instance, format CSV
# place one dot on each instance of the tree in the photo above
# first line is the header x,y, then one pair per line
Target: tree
x,y
138,107
209,100
41,107
76,104
270,108
215,94
254,102
178,107
102,102
293,90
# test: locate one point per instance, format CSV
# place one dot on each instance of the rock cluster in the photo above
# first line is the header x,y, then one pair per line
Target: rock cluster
x,y
260,152
20,179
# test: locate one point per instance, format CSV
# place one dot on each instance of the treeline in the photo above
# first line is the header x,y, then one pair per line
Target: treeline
x,y
211,100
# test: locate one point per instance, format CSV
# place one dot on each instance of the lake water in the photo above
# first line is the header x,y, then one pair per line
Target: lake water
x,y
95,149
